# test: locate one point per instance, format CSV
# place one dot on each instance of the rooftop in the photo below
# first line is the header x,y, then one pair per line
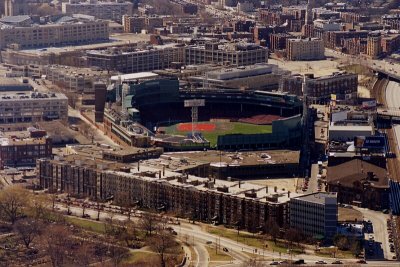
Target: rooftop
x,y
319,197
357,171
134,76
222,158
152,174
16,96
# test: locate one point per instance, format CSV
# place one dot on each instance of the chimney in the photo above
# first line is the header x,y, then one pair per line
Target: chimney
x,y
163,170
159,174
240,182
138,165
288,194
275,189
266,189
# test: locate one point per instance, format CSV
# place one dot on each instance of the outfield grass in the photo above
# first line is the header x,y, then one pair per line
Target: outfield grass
x,y
223,128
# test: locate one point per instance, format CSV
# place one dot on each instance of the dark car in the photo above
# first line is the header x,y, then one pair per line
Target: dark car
x,y
299,262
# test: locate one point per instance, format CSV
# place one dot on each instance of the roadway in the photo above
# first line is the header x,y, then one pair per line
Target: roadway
x,y
392,95
240,252
380,234
390,68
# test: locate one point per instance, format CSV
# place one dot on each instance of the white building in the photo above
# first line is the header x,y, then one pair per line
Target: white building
x,y
305,49
32,107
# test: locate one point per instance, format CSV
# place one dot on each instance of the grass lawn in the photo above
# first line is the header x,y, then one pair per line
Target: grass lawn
x,y
223,128
251,240
140,257
221,256
97,227
327,252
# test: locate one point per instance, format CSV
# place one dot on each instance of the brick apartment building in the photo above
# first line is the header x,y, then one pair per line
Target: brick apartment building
x,y
214,201
23,150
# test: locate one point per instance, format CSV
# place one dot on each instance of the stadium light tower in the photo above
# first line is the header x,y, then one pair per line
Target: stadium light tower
x,y
194,104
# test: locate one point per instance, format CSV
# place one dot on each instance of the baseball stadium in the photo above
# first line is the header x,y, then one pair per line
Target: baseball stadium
x,y
228,119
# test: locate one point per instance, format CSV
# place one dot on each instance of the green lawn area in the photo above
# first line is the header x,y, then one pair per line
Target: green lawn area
x,y
223,128
97,227
252,240
327,252
221,256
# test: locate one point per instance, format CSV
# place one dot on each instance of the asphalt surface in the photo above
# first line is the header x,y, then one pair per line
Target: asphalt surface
x,y
380,234
241,252
393,95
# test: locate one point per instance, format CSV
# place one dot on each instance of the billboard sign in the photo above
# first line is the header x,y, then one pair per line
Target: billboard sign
x,y
369,104
194,103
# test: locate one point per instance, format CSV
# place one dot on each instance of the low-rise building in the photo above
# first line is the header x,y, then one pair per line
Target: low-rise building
x,y
240,54
64,31
341,84
360,183
315,214
136,60
32,107
24,148
101,10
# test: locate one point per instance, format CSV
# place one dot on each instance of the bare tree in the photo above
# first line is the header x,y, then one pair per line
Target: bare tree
x,y
56,242
28,230
161,242
272,229
98,208
149,222
12,203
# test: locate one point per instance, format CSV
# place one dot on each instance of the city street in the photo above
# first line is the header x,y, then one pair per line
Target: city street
x,y
393,95
240,252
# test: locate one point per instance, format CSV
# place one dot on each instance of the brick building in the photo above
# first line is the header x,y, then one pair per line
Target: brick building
x,y
23,148
305,49
240,204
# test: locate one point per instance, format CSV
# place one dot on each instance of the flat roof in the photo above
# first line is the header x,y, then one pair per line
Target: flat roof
x,y
151,173
223,158
350,128
319,197
134,76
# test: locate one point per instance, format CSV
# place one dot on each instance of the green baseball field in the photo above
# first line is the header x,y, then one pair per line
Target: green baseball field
x,y
211,130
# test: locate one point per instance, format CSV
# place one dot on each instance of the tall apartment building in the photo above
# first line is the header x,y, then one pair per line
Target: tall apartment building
x,y
305,49
237,204
32,107
154,58
315,214
230,54
374,45
66,31
110,10
320,89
